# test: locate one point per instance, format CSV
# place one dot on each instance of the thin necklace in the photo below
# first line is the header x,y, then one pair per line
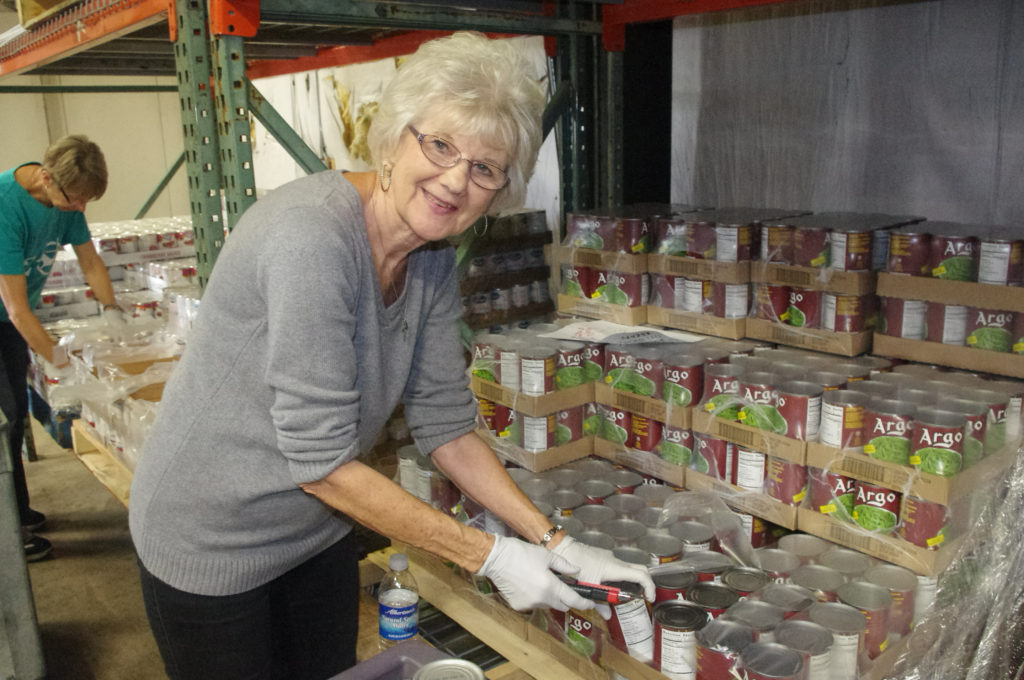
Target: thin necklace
x,y
391,282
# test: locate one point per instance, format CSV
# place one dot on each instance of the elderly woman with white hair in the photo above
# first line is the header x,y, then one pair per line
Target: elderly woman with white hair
x,y
334,300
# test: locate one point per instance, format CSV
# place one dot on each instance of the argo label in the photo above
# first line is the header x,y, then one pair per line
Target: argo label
x,y
876,508
887,430
831,493
952,257
804,309
989,329
682,381
938,447
676,445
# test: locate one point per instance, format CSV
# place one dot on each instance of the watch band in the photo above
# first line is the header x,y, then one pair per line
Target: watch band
x,y
549,534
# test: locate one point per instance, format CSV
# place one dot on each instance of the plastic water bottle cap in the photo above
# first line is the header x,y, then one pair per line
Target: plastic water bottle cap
x,y
398,562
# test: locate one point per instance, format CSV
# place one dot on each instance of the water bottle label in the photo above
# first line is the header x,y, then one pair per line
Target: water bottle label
x,y
398,623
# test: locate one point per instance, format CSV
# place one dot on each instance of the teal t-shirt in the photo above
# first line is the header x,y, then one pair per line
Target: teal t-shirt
x,y
31,234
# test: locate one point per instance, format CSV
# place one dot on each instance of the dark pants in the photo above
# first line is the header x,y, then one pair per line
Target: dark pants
x,y
14,403
302,625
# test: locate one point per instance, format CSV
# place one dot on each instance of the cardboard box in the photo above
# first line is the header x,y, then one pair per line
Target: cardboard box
x,y
887,548
538,461
906,479
655,409
757,504
76,310
641,461
968,358
846,344
754,438
625,263
626,666
705,270
536,406
965,293
816,278
130,365
594,309
707,324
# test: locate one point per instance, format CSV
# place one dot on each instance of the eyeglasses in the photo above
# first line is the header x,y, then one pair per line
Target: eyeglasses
x,y
440,151
66,197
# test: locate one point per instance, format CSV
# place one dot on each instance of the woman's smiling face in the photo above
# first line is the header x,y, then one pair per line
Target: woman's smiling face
x,y
437,202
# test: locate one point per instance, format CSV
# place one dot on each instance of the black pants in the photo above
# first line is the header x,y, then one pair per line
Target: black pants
x,y
14,403
302,625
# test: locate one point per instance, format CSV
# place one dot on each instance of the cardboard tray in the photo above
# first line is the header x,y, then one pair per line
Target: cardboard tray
x,y
705,270
696,322
538,461
815,278
887,548
968,358
655,409
906,479
625,263
829,342
754,438
535,406
967,293
594,309
757,504
641,461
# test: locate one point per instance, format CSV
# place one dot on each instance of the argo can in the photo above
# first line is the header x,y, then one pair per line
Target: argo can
x,y
777,243
734,242
617,425
842,418
719,644
721,387
620,288
847,625
989,329
537,369
786,481
909,251
937,441
750,469
876,508
770,301
595,491
843,313
903,318
670,236
850,563
730,300
646,433
823,581
874,602
675,644
778,564
538,431
632,235
631,627
568,425
624,532
810,246
945,323
887,430
771,661
695,536
682,378
712,597
582,636
813,642
804,309
799,404
568,364
832,493
976,413
701,240
577,281
807,547
745,580
660,548
697,296
850,249
952,256
676,445
714,457
1000,259
710,565
793,600
762,617
901,584
673,586
924,523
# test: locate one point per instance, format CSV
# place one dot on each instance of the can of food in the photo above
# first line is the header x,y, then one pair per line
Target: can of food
x,y
626,505
814,644
777,243
520,295
596,539
568,364
847,625
624,289
786,481
989,329
804,309
660,548
850,249
714,598
497,417
771,661
903,318
730,300
582,636
565,501
695,536
1017,334
807,547
714,457
924,596
646,433
697,296
616,425
682,378
676,445
675,645
799,405
876,508
632,235
655,495
719,644
842,418
750,469
563,477
1000,259
778,564
952,256
901,584
924,523
754,529
1000,407
709,565
976,413
762,617
485,348
595,491
631,555
625,532
734,242
937,441
820,580
721,389
128,243
810,246
670,236
577,281
770,301
850,563
909,251
537,369
831,493
874,602
794,600
568,425
665,290
445,669
746,580
701,240
630,626
625,481
673,586
619,363
887,430
593,420
593,361
538,431
593,515
594,232
843,313
945,323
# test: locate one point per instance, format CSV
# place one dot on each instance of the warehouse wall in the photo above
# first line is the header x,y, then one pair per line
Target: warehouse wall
x,y
895,107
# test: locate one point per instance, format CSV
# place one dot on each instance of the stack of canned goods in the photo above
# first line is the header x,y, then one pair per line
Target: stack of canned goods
x,y
724,300
995,330
626,289
811,308
958,252
143,235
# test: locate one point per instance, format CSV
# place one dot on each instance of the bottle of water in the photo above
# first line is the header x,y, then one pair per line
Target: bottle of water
x,y
398,602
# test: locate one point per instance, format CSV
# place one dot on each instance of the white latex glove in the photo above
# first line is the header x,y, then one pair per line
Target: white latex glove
x,y
522,573
60,356
598,565
113,317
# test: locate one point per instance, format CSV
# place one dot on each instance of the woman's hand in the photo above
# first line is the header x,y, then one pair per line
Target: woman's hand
x,y
522,573
597,565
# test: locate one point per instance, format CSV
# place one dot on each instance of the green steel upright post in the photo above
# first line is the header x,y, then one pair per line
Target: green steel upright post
x,y
234,127
611,128
199,127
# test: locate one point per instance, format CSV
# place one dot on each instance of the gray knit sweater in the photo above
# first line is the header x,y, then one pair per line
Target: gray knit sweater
x,y
292,369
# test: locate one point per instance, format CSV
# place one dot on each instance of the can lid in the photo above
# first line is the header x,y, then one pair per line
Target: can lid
x,y
891,576
725,636
846,561
689,531
708,561
838,617
745,579
632,556
449,669
674,614
772,660
675,580
777,561
758,615
817,577
864,595
804,636
788,596
712,595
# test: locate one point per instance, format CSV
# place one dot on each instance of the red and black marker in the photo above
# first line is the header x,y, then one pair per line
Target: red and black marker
x,y
600,592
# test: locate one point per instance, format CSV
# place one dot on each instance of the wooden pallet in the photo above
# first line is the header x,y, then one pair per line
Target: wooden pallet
x,y
104,466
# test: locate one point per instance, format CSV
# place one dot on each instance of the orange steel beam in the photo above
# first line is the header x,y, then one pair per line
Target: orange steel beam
x,y
615,17
234,17
49,41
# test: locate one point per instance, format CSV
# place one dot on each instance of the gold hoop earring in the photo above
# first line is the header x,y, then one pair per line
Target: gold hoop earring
x,y
385,177
480,233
